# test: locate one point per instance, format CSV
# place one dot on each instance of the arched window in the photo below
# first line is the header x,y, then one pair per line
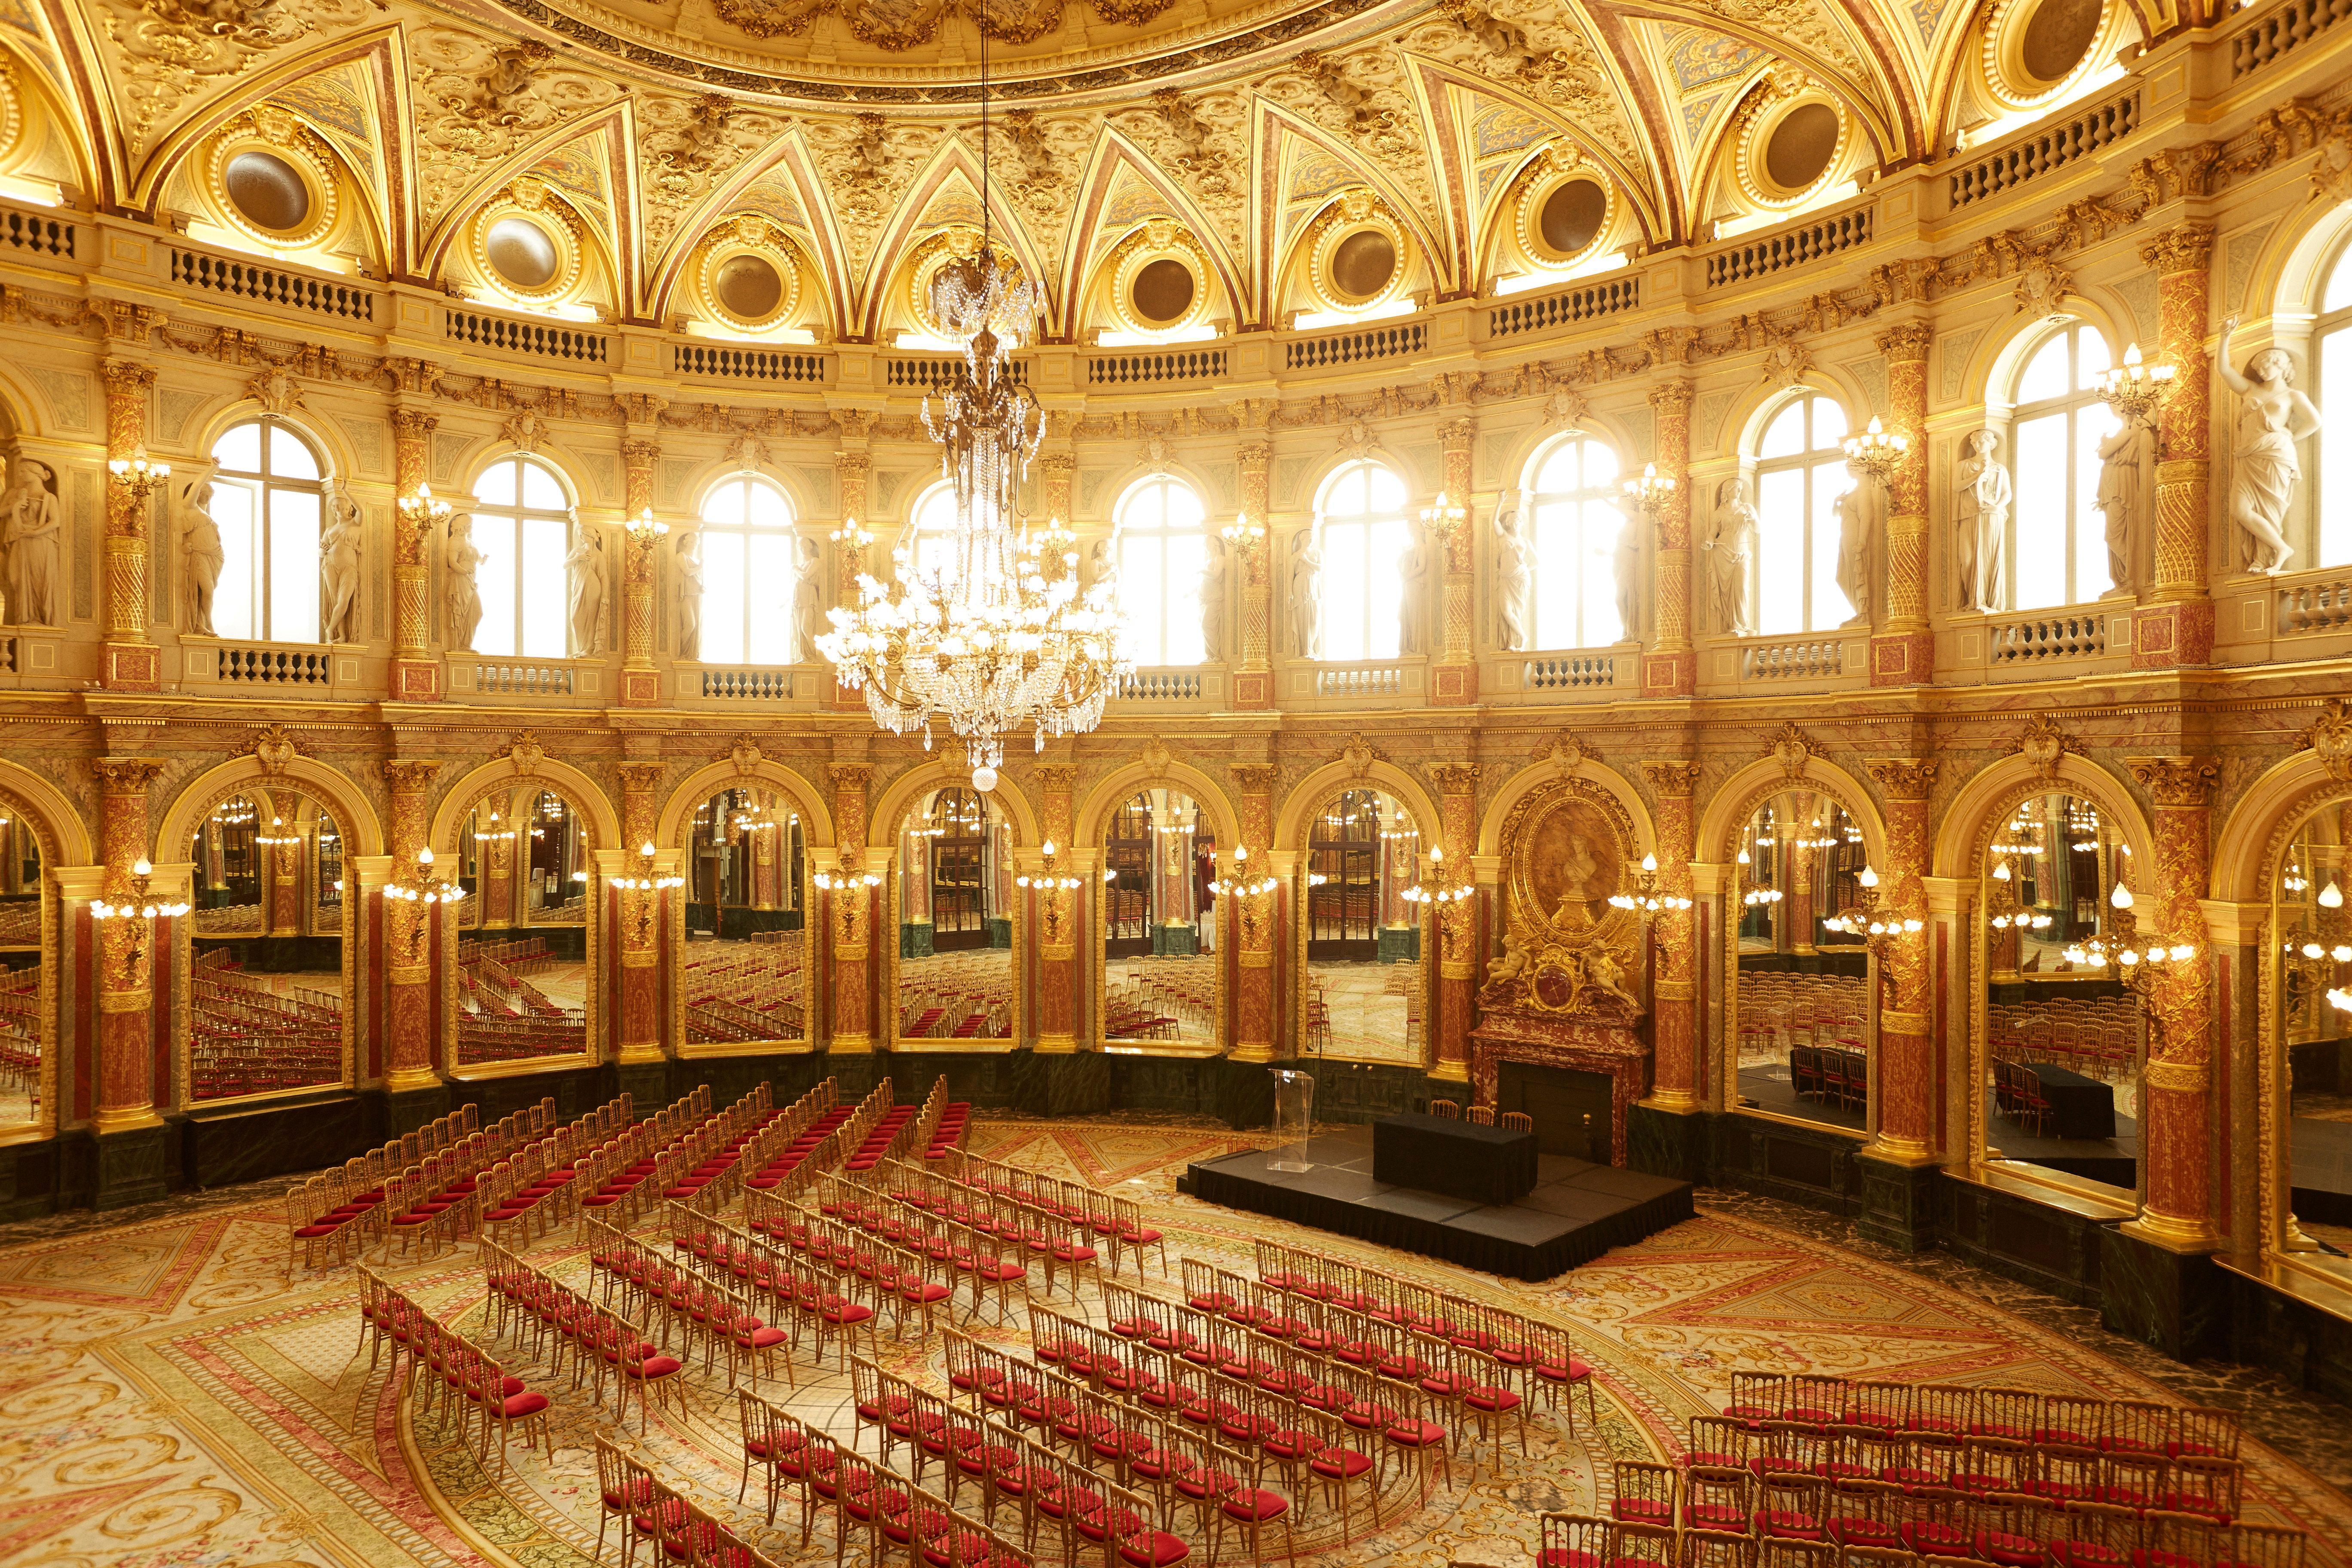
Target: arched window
x,y
2057,537
2331,352
747,572
1163,549
1363,534
931,532
266,500
523,526
1572,505
1799,474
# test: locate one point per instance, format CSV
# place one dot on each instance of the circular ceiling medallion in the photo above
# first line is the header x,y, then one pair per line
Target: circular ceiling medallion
x,y
1363,264
1799,149
2057,36
1572,215
522,253
267,191
748,286
1162,290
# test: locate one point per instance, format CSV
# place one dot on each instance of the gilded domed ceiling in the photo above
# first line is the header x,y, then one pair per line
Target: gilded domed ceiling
x,y
621,159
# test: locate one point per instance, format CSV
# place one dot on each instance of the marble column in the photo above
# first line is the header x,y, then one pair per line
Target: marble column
x,y
1903,653
640,680
282,900
853,478
1454,680
408,934
1059,915
1254,680
132,954
1458,923
1255,922
1800,865
497,835
1908,1087
643,918
1674,1082
1669,665
850,915
2176,1086
132,662
415,674
2174,626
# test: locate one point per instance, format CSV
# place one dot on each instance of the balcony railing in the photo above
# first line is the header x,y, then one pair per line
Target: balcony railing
x,y
531,680
747,685
276,664
1795,658
1161,686
1155,369
1796,245
2281,30
720,362
1341,350
2038,152
1568,672
2047,638
273,286
1360,681
1565,307
2316,604
539,339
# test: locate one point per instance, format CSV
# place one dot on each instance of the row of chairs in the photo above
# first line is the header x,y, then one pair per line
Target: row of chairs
x,y
602,1343
444,1367
1116,1222
1970,1540
673,1528
907,1283
618,1184
993,1265
340,1212
520,955
739,992
1482,1115
439,1204
1829,1074
1955,1411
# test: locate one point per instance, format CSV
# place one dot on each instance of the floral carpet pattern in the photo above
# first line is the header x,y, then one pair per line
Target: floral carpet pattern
x,y
169,1398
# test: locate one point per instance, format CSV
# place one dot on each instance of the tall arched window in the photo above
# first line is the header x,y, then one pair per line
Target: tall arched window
x,y
2331,352
747,572
1363,533
267,500
1163,548
2057,537
523,526
931,532
1576,523
1799,474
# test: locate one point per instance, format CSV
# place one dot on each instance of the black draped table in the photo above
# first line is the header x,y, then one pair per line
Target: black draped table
x,y
2081,1109
1460,1158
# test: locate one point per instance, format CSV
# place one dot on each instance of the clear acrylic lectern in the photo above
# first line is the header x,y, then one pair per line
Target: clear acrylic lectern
x,y
1294,1118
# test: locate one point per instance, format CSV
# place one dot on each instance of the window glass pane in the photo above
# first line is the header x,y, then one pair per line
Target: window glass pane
x,y
2335,353
1604,525
240,450
1559,472
2046,373
232,598
2091,359
293,566
2339,285
1780,552
1558,548
1785,437
2041,512
1386,598
767,577
1600,465
540,490
1383,490
722,597
497,486
769,508
1188,557
495,580
2094,423
1140,594
723,507
1829,423
289,458
1183,508
1345,568
545,591
1831,608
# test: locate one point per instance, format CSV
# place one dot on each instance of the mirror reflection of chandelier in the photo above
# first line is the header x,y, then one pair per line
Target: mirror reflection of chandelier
x,y
998,637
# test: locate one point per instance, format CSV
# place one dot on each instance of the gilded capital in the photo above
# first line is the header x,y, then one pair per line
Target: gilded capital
x,y
850,775
1904,778
1254,778
412,424
126,775
1455,778
1672,397
1673,780
410,775
637,778
2187,249
2177,780
1905,342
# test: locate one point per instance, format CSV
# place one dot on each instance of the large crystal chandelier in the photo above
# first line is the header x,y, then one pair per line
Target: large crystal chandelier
x,y
994,634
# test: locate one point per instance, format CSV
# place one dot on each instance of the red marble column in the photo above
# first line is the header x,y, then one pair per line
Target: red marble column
x,y
1907,1090
1904,652
1674,1082
642,920
126,954
1057,918
1454,679
1457,924
408,935
1670,667
640,680
286,902
2176,1086
2176,626
1254,680
850,914
1250,923
415,674
132,662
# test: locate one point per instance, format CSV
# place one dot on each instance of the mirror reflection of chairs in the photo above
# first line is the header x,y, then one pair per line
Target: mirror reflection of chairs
x,y
1830,1075
2017,1094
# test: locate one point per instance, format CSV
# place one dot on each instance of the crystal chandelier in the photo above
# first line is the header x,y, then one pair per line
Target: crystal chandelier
x,y
996,635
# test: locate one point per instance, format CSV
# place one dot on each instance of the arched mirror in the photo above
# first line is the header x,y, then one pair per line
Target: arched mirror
x,y
742,978
1159,921
2061,1026
522,972
23,1005
1801,997
954,900
2314,1025
266,961
1365,994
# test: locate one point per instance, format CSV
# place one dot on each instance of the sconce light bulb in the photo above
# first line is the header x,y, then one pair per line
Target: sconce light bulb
x,y
1649,862
2121,897
140,868
1868,878
2331,897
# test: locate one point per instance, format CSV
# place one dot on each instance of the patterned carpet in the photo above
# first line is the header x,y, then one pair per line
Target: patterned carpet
x,y
168,1399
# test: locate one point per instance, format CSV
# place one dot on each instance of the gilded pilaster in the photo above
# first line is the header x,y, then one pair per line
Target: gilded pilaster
x,y
1459,922
851,915
1674,1083
1455,679
1059,917
415,675
407,965
2176,626
1254,682
128,946
133,663
640,680
853,478
1670,667
2176,1085
1904,653
1252,931
642,912
1908,1082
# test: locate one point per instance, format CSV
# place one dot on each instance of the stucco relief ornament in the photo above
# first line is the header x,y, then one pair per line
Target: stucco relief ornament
x,y
1791,749
1565,409
2044,745
1156,756
1358,439
526,430
275,390
1565,755
1786,363
274,749
746,755
526,753
1359,754
2329,738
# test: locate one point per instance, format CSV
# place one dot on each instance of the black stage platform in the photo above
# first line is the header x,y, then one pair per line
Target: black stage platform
x,y
1576,1211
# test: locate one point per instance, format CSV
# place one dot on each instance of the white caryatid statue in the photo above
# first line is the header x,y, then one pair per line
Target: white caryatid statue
x,y
584,570
30,530
1514,578
689,596
202,555
1416,571
338,565
2272,417
1982,493
1731,557
461,561
1212,602
1306,595
1853,554
2127,480
808,600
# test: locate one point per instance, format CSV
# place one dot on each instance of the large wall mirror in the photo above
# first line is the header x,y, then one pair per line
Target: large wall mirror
x,y
1157,922
2314,1013
22,990
2062,1028
954,902
267,936
1365,996
1800,997
522,974
742,975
